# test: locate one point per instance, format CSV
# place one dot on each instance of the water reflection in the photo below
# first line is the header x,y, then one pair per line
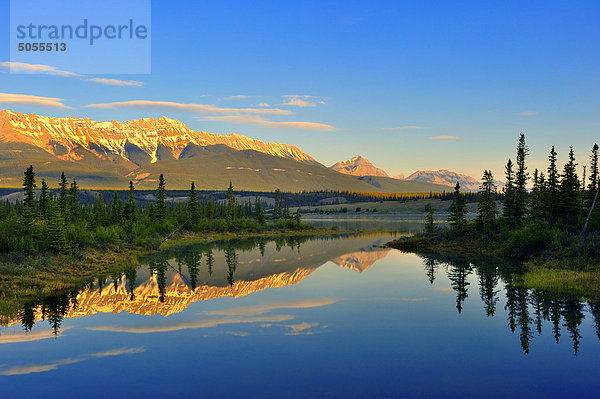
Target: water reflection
x,y
527,310
173,279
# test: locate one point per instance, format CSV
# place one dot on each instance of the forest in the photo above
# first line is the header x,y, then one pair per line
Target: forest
x,y
554,220
57,221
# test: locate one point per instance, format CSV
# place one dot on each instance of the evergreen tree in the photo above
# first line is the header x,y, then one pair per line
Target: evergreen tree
x,y
63,188
193,209
538,198
570,201
100,216
486,208
521,178
210,208
116,209
508,206
57,236
29,201
429,226
44,199
73,201
594,177
553,187
298,217
259,214
230,210
458,210
278,208
160,207
130,206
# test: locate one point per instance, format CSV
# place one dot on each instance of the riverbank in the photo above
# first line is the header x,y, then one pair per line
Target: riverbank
x,y
24,277
568,267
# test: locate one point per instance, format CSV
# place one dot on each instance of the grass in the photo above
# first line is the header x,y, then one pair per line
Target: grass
x,y
562,281
24,278
570,267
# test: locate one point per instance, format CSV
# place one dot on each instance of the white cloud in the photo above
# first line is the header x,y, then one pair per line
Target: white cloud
x,y
237,97
527,113
254,120
26,99
298,102
117,82
23,67
444,138
403,127
196,108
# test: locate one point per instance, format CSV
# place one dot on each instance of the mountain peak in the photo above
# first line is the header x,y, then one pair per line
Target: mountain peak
x,y
358,166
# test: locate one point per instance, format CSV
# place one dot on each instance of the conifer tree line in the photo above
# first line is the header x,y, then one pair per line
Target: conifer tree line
x,y
58,221
558,199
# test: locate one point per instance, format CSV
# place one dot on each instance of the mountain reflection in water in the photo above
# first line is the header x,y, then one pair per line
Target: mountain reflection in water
x,y
170,281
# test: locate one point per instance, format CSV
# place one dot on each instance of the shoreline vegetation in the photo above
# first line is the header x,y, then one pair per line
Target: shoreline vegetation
x,y
54,243
552,229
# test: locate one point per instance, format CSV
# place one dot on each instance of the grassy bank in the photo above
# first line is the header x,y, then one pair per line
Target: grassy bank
x,y
24,277
562,264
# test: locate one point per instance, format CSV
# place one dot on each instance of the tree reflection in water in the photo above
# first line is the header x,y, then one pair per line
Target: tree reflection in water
x,y
527,310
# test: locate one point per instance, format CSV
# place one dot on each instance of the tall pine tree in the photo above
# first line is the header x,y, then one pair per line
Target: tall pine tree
x,y
160,207
521,178
570,201
486,207
458,210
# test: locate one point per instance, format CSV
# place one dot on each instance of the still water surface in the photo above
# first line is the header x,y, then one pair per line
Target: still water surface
x,y
313,317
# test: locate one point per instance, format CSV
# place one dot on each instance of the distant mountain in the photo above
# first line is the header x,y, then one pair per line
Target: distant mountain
x,y
445,177
399,176
109,154
358,166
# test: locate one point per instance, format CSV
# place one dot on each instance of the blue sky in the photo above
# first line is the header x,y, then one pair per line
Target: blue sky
x,y
364,75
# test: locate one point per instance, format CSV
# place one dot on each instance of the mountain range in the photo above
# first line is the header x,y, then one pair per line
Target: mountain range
x,y
109,154
360,166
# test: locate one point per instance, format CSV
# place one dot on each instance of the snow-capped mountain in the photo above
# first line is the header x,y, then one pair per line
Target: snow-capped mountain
x,y
445,177
358,166
130,144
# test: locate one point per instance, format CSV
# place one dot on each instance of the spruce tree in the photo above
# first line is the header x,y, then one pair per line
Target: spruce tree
x,y
278,208
116,209
570,201
458,210
259,213
521,178
73,201
160,207
553,187
210,208
539,198
429,226
230,210
298,217
63,192
130,206
594,177
44,199
192,206
29,201
100,216
57,236
486,208
508,206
